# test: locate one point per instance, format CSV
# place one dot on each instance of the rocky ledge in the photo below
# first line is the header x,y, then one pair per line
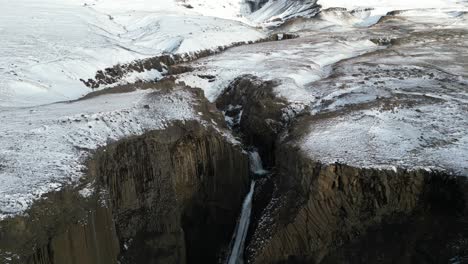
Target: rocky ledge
x,y
310,211
157,197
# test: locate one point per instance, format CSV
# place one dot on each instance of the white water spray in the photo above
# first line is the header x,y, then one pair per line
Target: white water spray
x,y
237,252
256,165
242,227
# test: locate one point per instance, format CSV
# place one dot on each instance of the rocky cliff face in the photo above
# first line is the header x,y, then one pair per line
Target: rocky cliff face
x,y
257,113
340,214
168,193
168,196
247,101
310,212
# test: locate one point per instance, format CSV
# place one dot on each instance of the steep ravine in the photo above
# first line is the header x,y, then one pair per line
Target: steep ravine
x,y
168,193
309,212
158,198
174,196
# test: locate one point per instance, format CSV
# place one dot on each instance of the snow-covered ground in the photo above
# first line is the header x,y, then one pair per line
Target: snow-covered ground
x,y
283,10
45,147
403,106
49,45
379,8
295,62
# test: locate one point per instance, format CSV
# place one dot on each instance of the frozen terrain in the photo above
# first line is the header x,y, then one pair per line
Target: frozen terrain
x,y
392,95
45,147
49,45
283,61
371,104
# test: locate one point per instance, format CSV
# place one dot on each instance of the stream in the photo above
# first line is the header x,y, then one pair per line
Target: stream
x,y
237,252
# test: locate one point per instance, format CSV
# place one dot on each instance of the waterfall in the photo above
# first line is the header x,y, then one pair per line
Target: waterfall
x,y
256,166
242,227
237,252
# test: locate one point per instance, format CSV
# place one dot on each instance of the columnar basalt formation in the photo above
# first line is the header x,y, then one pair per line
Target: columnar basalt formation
x,y
313,212
168,195
335,213
156,198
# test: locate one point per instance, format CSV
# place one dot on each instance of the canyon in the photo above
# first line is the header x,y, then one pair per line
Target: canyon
x,y
329,132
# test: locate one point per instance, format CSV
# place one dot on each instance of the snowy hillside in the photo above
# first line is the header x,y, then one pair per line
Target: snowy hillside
x,y
49,45
334,68
45,147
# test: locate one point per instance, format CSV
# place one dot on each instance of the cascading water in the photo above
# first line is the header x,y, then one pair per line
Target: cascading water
x,y
256,165
237,252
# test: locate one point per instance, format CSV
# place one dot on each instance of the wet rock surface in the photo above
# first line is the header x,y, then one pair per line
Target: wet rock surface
x,y
310,212
346,194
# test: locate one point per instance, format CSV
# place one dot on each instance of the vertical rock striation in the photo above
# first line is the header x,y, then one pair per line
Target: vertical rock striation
x,y
340,214
169,196
259,112
310,212
175,193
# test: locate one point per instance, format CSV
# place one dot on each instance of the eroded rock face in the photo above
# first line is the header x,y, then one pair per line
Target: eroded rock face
x,y
340,214
403,206
168,193
311,212
258,113
168,196
64,227
335,213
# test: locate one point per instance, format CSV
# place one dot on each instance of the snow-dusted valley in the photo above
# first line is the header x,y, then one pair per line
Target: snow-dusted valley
x,y
134,131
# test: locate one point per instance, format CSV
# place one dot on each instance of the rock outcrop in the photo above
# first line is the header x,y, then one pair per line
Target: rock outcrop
x,y
63,227
257,112
311,212
168,196
168,193
340,214
166,64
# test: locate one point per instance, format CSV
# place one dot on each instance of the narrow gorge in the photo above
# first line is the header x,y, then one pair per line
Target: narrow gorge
x,y
278,131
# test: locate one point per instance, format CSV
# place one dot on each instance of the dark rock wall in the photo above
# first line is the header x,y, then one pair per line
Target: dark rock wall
x,y
337,213
169,196
175,193
65,228
261,116
340,214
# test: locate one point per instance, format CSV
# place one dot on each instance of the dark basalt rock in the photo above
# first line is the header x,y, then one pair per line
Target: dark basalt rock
x,y
167,196
168,193
340,214
261,120
309,212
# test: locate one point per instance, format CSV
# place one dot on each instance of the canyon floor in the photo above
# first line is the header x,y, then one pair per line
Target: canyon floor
x,y
130,132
